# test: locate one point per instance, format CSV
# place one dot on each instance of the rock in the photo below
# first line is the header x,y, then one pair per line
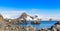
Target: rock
x,y
1,18
43,29
22,18
35,22
50,19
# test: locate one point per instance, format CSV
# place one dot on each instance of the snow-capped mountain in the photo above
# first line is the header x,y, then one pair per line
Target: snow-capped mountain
x,y
26,17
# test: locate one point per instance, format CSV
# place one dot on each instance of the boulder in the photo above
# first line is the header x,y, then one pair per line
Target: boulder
x,y
35,22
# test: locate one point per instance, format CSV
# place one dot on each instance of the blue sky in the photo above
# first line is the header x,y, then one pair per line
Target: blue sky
x,y
48,4
45,8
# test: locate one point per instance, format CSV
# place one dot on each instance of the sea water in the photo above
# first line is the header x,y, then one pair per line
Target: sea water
x,y
43,24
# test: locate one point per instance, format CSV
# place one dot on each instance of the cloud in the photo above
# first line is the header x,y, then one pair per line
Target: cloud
x,y
11,13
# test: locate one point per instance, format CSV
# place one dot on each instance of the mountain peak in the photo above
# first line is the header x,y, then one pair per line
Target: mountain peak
x,y
23,15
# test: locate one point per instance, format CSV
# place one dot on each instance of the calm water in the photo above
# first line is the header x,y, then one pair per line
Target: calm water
x,y
43,24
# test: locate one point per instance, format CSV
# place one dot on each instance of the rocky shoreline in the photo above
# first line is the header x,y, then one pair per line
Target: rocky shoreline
x,y
10,27
10,24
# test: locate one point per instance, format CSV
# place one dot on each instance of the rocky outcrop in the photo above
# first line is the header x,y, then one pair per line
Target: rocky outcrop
x,y
50,19
1,18
22,17
56,27
35,22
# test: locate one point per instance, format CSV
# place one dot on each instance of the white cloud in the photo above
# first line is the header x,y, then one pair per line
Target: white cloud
x,y
11,14
16,13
